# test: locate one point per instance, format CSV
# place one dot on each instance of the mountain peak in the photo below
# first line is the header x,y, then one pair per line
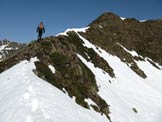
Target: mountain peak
x,y
106,17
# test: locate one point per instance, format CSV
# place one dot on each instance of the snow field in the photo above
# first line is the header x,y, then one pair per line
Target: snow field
x,y
26,98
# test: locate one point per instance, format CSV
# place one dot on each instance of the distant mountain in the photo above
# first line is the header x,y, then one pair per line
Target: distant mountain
x,y
8,48
109,71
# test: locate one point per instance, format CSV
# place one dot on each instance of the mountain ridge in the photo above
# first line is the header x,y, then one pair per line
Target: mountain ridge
x,y
73,52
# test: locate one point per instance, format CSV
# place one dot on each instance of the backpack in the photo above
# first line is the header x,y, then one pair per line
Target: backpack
x,y
41,26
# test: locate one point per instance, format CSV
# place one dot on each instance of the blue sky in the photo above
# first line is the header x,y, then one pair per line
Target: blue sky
x,y
19,18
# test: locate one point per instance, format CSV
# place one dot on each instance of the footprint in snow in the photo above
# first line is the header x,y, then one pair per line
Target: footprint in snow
x,y
30,88
46,116
26,96
35,104
29,119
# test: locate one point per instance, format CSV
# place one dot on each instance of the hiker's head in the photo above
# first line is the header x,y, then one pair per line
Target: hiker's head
x,y
41,22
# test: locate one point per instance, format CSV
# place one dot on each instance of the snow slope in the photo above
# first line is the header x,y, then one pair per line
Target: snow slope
x,y
128,92
131,98
26,98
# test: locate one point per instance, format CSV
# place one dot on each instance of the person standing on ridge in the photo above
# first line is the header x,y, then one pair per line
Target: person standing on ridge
x,y
40,30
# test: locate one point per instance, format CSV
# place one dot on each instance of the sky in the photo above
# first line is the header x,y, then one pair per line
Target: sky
x,y
20,18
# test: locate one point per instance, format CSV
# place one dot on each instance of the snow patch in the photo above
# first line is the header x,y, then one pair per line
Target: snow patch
x,y
100,26
143,20
74,29
52,69
11,48
2,47
90,102
133,53
122,18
